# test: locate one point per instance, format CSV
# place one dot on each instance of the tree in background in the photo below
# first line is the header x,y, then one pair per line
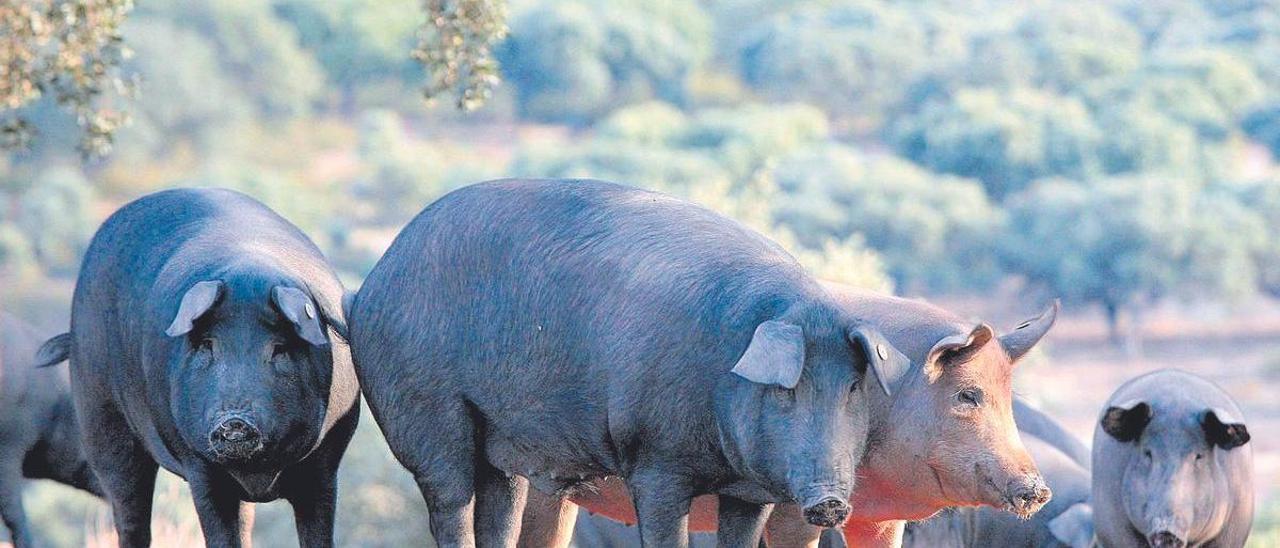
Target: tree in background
x,y
193,103
1005,139
850,58
456,44
358,43
54,213
571,62
68,51
1124,243
935,231
1263,126
255,47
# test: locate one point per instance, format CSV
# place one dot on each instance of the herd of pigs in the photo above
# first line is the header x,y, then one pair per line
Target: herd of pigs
x,y
531,346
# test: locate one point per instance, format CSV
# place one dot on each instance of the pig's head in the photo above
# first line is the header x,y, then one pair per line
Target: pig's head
x,y
949,438
1174,472
251,372
792,413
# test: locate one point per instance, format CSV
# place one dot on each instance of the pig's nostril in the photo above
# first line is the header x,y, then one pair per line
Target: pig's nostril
x,y
235,436
830,512
1165,539
233,430
1035,496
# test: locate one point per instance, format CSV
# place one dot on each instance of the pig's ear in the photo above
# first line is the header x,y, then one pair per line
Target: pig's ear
x,y
1125,422
1018,342
196,303
883,360
1222,430
1074,526
775,355
299,310
956,349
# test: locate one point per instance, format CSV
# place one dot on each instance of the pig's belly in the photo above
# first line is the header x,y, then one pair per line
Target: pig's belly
x,y
609,497
551,465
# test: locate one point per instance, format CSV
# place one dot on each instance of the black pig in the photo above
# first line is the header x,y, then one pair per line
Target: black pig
x,y
39,438
561,331
207,337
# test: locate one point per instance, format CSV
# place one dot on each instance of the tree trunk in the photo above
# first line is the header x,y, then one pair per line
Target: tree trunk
x,y
1113,323
1133,337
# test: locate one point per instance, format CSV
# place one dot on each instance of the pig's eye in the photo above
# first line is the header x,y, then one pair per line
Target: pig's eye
x,y
1146,453
279,351
205,344
1199,456
970,396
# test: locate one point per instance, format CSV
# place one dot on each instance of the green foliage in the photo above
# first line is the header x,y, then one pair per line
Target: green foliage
x,y
1263,125
573,61
192,100
54,214
252,47
1073,44
933,230
17,259
1263,197
69,50
355,41
852,58
844,260
1004,139
401,179
1207,90
455,44
1130,241
720,158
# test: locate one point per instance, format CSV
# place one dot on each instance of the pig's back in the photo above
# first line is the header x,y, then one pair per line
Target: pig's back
x,y
542,300
147,254
27,394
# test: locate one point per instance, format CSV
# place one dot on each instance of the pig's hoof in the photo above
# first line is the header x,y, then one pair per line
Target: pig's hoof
x,y
828,513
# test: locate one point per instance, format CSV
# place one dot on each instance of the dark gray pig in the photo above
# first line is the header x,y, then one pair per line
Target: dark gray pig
x,y
563,331
206,338
1171,467
38,434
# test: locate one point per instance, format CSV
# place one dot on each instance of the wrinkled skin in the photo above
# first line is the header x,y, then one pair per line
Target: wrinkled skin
x,y
1051,527
930,446
583,329
205,338
1172,465
38,432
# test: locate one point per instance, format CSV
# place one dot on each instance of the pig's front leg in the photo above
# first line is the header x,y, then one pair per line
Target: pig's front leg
x,y
874,534
741,523
662,500
225,520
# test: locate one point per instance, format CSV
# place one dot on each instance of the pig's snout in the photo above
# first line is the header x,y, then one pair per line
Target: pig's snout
x,y
235,438
1165,539
1028,495
829,512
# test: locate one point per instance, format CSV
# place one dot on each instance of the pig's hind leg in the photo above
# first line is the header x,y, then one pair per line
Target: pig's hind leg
x,y
12,453
439,448
500,501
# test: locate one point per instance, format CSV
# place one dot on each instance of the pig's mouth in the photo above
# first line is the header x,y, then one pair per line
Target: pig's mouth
x,y
1016,498
241,452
